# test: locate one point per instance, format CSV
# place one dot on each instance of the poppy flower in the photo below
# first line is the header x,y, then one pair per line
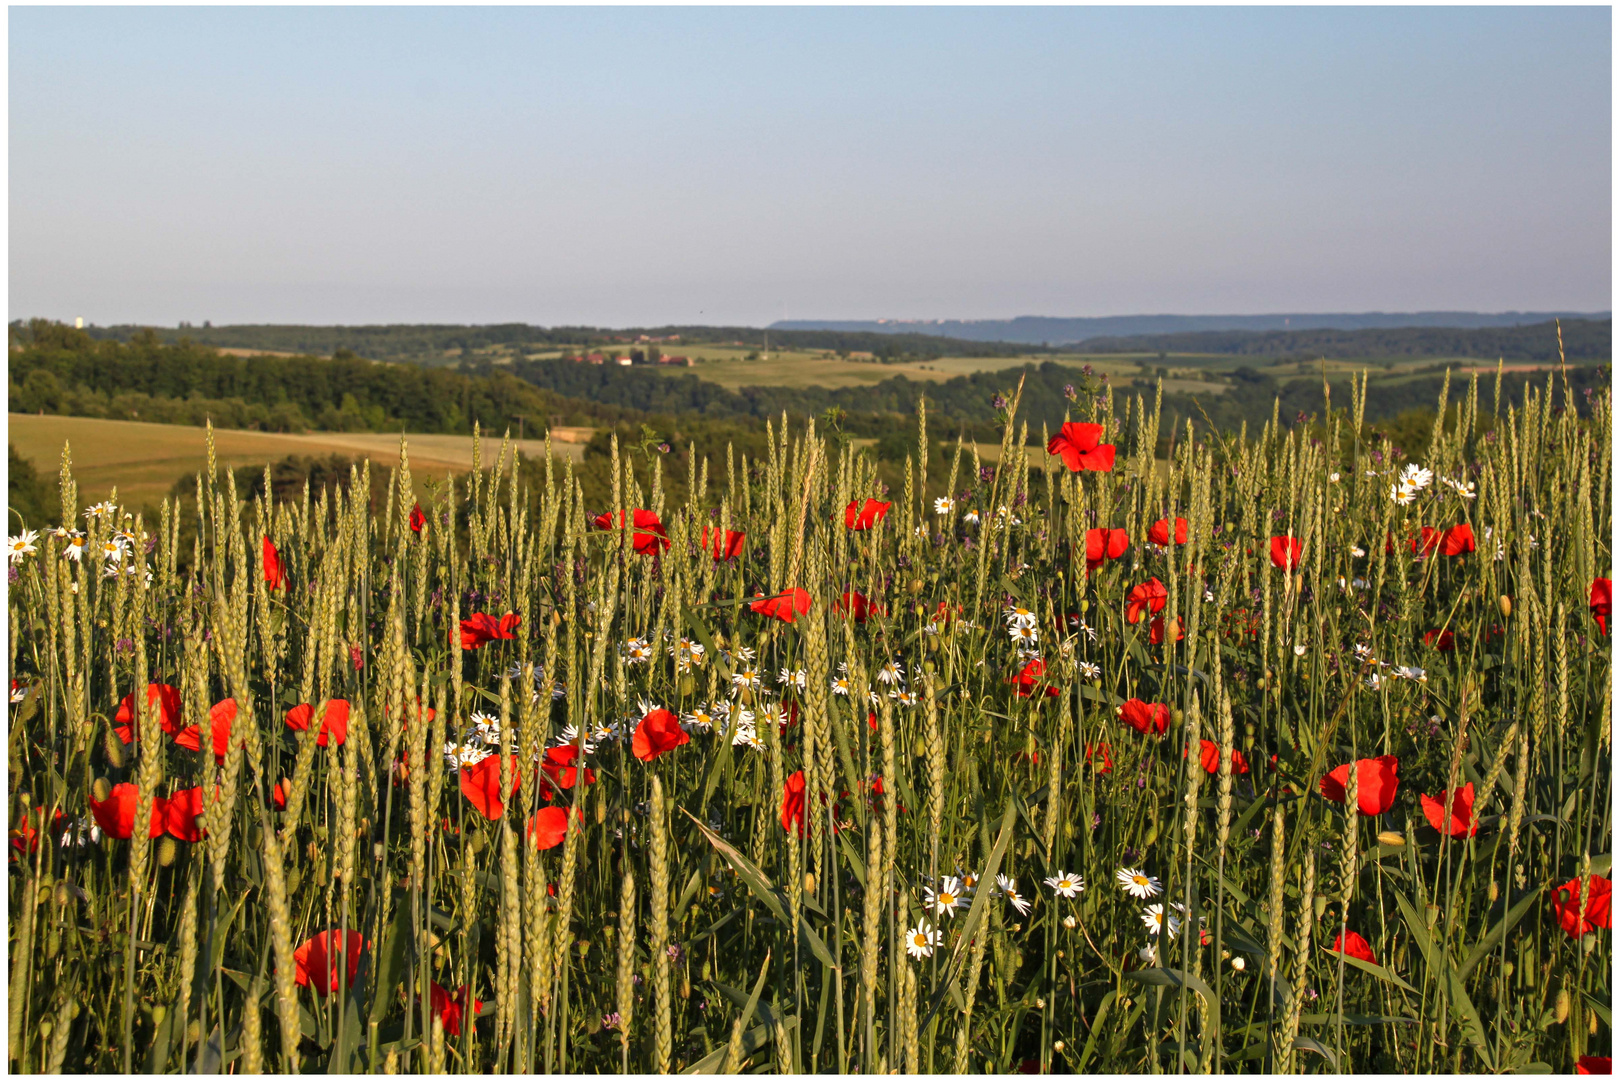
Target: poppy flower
x,y
647,532
1101,756
1156,630
1462,811
418,519
219,727
278,794
862,518
1209,756
25,839
1104,544
334,722
1426,541
482,628
1081,448
723,544
1598,600
275,574
1593,1066
1458,540
1026,679
871,720
180,813
1285,552
558,765
481,783
1159,531
1353,945
1375,784
1442,640
787,606
1567,906
858,605
1149,719
1150,596
116,815
165,698
549,826
314,960
658,733
404,720
450,1009
793,803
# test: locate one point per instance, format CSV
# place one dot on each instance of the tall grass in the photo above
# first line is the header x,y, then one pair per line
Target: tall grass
x,y
745,900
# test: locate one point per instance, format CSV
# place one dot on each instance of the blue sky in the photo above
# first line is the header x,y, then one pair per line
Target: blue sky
x,y
639,166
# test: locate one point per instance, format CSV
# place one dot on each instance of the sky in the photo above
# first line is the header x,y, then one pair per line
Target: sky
x,y
622,167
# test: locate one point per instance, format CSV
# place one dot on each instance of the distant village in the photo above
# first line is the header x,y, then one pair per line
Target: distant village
x,y
649,354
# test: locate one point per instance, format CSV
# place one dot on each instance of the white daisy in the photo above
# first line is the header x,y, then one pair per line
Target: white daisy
x,y
471,755
746,678
921,940
947,899
1374,681
1416,477
792,678
1416,674
1357,551
891,672
745,654
1067,885
486,728
1024,635
1156,920
1402,494
637,651
1018,615
747,735
904,697
1148,954
18,692
75,546
1138,884
1333,478
1009,889
101,510
1088,670
944,505
840,684
698,720
113,550
1300,650
971,517
19,547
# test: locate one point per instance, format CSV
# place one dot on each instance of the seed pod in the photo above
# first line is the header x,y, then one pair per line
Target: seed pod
x,y
1491,893
809,883
115,750
168,850
1561,1010
1391,838
101,790
1504,604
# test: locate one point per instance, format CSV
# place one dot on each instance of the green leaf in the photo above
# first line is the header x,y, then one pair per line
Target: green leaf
x,y
1096,1026
752,1041
1172,977
1378,970
1600,1008
857,865
1305,1042
1420,931
1497,932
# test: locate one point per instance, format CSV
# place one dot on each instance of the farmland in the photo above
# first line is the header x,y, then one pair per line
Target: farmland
x,y
1281,755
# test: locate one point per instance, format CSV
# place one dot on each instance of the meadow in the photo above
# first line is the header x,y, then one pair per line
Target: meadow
x,y
1289,754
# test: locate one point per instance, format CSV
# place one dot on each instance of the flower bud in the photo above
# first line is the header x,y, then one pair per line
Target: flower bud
x,y
1561,1010
114,747
1391,838
1504,604
1238,963
101,790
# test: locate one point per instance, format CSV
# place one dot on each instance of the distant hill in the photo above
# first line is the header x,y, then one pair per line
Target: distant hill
x,y
1585,341
1044,330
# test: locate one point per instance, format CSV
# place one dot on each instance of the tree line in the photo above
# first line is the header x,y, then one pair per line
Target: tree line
x,y
1585,341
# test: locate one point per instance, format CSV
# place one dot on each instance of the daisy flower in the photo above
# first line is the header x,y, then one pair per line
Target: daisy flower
x,y
113,550
75,546
1300,650
921,940
747,678
1333,478
637,651
1018,615
747,735
1088,670
1154,918
745,654
1416,674
686,653
471,755
19,547
1138,884
101,510
947,899
1402,494
1009,889
486,728
971,517
891,672
1067,885
1357,550
1024,635
792,678
1148,954
944,505
1416,477
698,720
904,697
840,684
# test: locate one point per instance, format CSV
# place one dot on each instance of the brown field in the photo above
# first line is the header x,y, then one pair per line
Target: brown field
x,y
144,460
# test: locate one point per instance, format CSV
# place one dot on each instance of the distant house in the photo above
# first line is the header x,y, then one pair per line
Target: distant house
x,y
624,361
678,361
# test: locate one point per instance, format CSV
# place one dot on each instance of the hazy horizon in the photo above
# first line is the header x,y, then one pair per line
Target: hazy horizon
x,y
738,166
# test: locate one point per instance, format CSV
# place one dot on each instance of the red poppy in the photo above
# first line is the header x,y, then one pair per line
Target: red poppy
x,y
167,700
335,723
1593,1066
450,1009
1209,756
1150,596
1104,544
1598,601
647,532
1462,811
220,718
944,615
1427,541
482,628
1285,551
1354,945
1375,784
1081,448
1156,630
481,783
858,605
180,813
871,720
314,960
278,794
1149,719
793,803
1458,540
549,826
1159,531
1567,906
1442,640
275,574
861,518
786,606
418,519
558,764
1102,752
1027,679
658,733
404,721
25,839
723,545
116,815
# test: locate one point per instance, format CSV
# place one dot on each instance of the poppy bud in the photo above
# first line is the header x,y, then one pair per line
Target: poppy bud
x,y
45,1026
1177,715
1561,1011
101,790
686,989
115,749
1491,893
62,895
194,1032
601,811
916,586
168,851
809,883
1057,1047
1591,1022
1085,606
475,842
1504,604
1391,838
1507,967
686,685
1321,905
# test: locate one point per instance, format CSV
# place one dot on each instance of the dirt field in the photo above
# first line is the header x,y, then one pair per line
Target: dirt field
x,y
144,460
